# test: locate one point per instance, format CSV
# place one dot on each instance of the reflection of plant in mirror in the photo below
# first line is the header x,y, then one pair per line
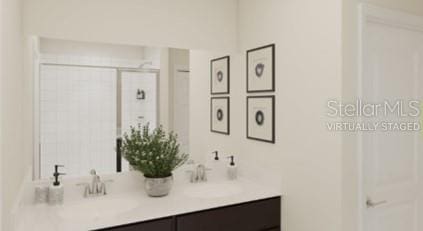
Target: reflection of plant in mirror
x,y
155,154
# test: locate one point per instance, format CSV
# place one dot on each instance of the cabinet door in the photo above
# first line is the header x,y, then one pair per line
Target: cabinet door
x,y
156,225
252,216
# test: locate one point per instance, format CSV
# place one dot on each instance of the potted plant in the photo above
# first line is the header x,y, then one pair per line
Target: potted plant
x,y
155,154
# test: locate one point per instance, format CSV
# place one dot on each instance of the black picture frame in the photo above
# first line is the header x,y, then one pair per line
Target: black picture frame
x,y
228,117
272,88
273,133
228,73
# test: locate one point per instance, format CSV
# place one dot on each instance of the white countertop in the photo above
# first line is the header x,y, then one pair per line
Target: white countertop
x,y
138,206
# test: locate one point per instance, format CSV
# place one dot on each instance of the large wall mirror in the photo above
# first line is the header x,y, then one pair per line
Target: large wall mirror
x,y
87,95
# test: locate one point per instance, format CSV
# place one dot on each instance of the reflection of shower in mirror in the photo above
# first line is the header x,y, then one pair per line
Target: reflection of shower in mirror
x,y
140,94
150,63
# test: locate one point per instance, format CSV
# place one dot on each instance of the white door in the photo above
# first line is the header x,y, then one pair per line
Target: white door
x,y
392,161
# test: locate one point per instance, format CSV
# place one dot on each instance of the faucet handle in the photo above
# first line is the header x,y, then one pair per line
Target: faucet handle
x,y
201,173
191,176
93,172
102,190
87,190
102,187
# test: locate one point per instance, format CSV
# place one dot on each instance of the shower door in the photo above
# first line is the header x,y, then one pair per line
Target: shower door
x,y
138,102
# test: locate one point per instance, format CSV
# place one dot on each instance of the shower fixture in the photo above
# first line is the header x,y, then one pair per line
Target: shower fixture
x,y
140,94
145,63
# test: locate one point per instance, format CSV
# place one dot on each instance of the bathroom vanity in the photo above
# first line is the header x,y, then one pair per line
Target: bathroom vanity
x,y
215,205
260,215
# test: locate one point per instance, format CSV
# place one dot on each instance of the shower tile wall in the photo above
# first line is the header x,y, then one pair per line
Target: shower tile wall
x,y
77,119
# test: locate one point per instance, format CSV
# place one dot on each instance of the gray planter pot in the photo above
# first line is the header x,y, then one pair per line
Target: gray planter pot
x,y
158,187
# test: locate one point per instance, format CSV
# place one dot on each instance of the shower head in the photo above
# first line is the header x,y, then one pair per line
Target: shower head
x,y
145,63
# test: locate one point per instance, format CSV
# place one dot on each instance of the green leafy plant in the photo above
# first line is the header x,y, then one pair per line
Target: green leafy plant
x,y
155,154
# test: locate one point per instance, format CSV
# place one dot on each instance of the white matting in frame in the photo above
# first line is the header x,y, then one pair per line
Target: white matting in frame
x,y
261,118
261,69
220,75
219,115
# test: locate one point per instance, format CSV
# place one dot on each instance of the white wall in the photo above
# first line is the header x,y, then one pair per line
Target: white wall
x,y
202,141
178,58
1,116
13,166
77,48
306,157
411,6
164,89
165,23
305,162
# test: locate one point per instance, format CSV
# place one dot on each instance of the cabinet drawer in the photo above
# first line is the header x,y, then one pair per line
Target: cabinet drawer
x,y
252,216
155,225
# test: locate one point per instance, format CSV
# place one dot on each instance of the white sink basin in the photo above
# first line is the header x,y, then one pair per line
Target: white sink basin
x,y
213,190
94,208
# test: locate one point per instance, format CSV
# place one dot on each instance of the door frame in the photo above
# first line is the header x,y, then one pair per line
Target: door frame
x,y
388,17
176,68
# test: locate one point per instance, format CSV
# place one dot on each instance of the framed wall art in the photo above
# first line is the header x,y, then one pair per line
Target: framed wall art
x,y
261,118
261,69
219,115
219,75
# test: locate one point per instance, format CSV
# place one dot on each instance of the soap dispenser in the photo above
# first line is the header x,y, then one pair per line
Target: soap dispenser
x,y
56,190
232,170
217,166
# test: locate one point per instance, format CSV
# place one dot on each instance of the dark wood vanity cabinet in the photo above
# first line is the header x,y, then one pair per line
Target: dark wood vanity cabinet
x,y
260,215
251,216
165,224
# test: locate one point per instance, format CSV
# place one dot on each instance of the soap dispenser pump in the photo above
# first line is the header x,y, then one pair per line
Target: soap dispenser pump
x,y
216,155
232,171
56,190
217,166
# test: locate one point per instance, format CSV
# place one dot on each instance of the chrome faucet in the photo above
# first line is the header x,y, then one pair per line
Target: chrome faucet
x,y
97,187
199,174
